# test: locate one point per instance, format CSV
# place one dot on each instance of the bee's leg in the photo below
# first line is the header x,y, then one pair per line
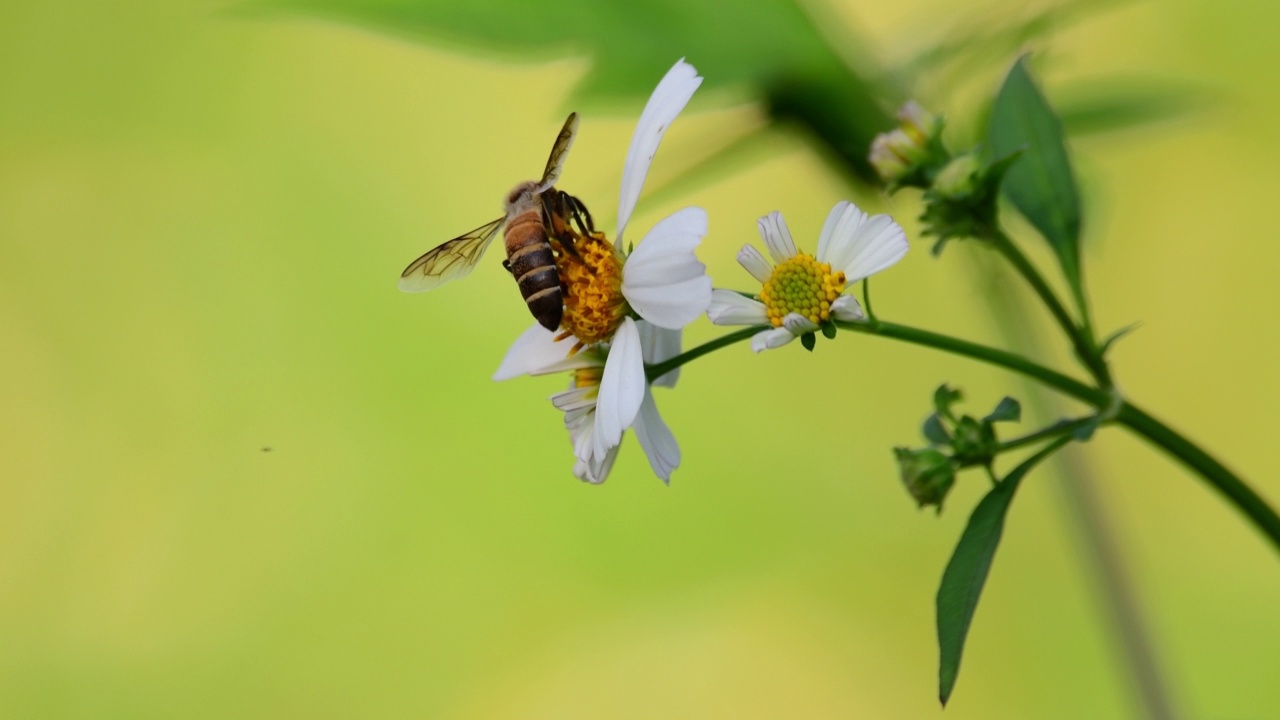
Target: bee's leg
x,y
552,215
575,210
580,211
562,211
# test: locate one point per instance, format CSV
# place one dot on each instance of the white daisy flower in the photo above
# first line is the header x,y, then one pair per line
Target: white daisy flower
x,y
661,280
802,291
595,382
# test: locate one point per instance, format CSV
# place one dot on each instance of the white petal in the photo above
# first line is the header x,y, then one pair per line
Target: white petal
x,y
596,471
656,440
751,259
659,345
844,216
663,280
582,433
769,339
666,102
847,308
575,399
536,352
797,324
621,388
730,308
859,245
777,237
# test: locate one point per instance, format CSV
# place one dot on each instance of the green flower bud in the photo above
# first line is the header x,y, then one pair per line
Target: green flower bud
x,y
973,442
927,474
959,178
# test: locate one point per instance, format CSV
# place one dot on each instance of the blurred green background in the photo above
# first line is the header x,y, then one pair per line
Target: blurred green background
x,y
202,218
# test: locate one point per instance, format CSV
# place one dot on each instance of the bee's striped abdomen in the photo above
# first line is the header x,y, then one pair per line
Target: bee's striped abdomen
x,y
534,267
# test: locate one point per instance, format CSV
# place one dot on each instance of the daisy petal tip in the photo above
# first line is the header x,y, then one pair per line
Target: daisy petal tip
x,y
798,324
847,308
770,339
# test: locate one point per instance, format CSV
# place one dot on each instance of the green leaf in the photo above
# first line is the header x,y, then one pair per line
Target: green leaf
x,y
944,397
802,80
1110,340
808,340
966,573
829,330
934,431
1009,410
1125,104
1086,431
966,50
1040,183
631,44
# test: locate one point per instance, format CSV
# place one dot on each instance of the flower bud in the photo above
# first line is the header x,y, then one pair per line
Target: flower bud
x,y
927,474
919,123
911,151
959,178
973,442
892,155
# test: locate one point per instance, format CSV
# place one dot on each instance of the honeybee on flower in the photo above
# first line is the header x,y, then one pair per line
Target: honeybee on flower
x,y
610,296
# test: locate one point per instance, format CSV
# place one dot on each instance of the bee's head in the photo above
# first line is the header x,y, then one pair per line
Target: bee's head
x,y
520,196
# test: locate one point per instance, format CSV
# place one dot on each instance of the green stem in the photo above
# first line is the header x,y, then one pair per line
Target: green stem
x,y
1054,379
1065,427
653,372
1222,479
1081,340
1132,417
866,299
1157,433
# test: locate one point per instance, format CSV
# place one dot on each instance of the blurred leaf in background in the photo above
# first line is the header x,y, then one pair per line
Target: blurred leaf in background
x,y
769,49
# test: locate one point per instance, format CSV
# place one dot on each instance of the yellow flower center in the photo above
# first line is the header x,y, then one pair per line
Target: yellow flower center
x,y
801,285
591,277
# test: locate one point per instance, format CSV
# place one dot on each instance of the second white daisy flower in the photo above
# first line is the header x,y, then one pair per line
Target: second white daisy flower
x,y
801,291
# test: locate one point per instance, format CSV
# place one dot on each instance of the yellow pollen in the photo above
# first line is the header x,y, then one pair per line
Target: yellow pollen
x,y
801,285
587,377
591,277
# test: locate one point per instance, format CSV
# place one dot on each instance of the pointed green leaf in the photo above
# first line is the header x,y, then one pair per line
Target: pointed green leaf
x,y
1041,183
966,573
1110,340
934,431
1086,431
1126,104
1009,410
808,340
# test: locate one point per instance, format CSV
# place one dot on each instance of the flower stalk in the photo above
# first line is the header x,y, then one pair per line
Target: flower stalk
x,y
1125,413
1081,335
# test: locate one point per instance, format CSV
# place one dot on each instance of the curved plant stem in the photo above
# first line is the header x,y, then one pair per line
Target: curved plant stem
x,y
1109,403
1125,413
1100,550
653,372
1066,427
1013,361
1223,480
1081,338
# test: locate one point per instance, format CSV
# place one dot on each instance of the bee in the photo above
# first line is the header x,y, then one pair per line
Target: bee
x,y
535,226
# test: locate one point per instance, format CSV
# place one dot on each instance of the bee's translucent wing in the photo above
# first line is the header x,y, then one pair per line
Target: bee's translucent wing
x,y
449,261
559,152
